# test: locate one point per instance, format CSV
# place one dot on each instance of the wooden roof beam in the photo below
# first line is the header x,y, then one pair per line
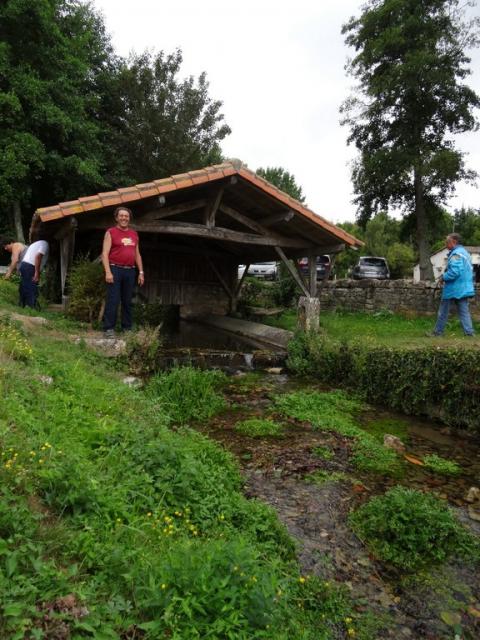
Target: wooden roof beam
x,y
219,233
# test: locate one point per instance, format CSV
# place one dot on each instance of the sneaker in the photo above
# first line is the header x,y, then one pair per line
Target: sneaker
x,y
109,333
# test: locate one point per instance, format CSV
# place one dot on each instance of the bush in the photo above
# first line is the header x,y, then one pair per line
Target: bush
x,y
409,529
259,427
142,350
187,394
440,383
86,289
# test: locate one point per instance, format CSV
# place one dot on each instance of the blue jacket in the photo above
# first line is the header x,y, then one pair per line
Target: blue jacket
x,y
458,276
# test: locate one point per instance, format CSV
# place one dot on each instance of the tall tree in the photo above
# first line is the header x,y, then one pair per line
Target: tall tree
x,y
410,63
283,180
156,123
48,141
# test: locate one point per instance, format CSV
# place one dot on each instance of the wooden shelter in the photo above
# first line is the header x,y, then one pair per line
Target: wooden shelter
x,y
195,229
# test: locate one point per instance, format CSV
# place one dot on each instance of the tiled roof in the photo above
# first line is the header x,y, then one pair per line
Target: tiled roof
x,y
184,180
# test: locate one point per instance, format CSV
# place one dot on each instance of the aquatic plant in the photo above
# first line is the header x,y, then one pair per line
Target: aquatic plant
x,y
409,529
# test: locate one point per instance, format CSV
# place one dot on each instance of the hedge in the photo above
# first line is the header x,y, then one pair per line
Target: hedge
x,y
441,383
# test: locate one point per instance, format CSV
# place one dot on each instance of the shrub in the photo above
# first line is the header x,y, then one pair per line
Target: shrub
x,y
187,394
259,427
409,529
441,465
86,288
142,350
154,314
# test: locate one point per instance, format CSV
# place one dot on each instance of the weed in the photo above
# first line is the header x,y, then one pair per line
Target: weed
x,y
409,529
441,465
330,410
142,350
188,394
324,453
321,476
259,427
13,341
372,457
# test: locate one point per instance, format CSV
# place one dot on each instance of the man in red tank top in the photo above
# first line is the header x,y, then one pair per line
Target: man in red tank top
x,y
120,256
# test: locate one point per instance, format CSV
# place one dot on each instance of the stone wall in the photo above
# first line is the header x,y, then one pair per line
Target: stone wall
x,y
377,295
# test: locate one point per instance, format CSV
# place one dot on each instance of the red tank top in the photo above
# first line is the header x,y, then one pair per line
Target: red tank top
x,y
124,244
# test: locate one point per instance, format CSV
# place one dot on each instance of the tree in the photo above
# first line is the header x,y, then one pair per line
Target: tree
x,y
410,63
156,124
284,180
48,141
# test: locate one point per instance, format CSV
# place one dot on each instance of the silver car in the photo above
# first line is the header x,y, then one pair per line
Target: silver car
x,y
264,270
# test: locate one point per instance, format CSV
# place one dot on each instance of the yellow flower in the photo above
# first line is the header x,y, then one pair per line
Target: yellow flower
x,y
149,515
163,586
348,620
351,632
301,579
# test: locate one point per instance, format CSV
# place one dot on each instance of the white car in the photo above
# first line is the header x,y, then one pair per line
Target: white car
x,y
264,270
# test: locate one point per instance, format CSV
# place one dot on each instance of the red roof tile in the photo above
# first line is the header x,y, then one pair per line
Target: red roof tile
x,y
185,180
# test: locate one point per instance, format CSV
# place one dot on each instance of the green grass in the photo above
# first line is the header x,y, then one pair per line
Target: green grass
x,y
324,453
392,426
337,411
259,428
381,328
146,525
441,465
410,530
321,476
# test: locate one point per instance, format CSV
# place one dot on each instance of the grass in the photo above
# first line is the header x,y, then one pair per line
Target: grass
x,y
410,530
259,428
337,411
146,526
324,453
321,476
441,465
392,426
381,328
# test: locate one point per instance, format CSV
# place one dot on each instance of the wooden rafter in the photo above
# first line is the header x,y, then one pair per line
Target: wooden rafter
x,y
212,207
293,272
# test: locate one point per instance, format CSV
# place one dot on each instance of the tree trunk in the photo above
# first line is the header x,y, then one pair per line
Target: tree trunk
x,y
426,269
17,221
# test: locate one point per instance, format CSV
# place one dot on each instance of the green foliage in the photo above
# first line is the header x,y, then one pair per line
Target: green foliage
x,y
324,453
154,314
284,290
441,465
13,341
372,457
187,394
322,476
86,288
408,529
392,426
147,527
421,381
284,180
329,410
401,260
259,427
408,57
142,350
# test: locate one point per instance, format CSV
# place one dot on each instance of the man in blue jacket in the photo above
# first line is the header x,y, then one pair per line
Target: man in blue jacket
x,y
457,286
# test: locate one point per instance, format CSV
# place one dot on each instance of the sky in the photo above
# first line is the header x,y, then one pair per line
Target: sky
x,y
278,68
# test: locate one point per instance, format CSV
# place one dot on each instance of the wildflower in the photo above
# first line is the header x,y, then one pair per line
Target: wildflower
x,y
149,515
163,586
326,584
41,461
279,592
221,516
32,453
348,620
351,632
301,579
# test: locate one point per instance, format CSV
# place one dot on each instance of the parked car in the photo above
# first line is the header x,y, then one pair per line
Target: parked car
x,y
264,270
371,267
324,266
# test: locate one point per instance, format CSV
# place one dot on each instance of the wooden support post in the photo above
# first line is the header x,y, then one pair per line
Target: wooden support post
x,y
293,271
212,208
67,247
312,272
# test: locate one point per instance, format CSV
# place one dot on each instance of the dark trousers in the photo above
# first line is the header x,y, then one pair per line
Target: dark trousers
x,y
120,291
28,289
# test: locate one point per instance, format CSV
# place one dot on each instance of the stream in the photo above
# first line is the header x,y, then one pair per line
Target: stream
x,y
443,603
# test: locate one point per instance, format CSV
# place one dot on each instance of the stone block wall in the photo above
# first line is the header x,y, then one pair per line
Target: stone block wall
x,y
403,296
